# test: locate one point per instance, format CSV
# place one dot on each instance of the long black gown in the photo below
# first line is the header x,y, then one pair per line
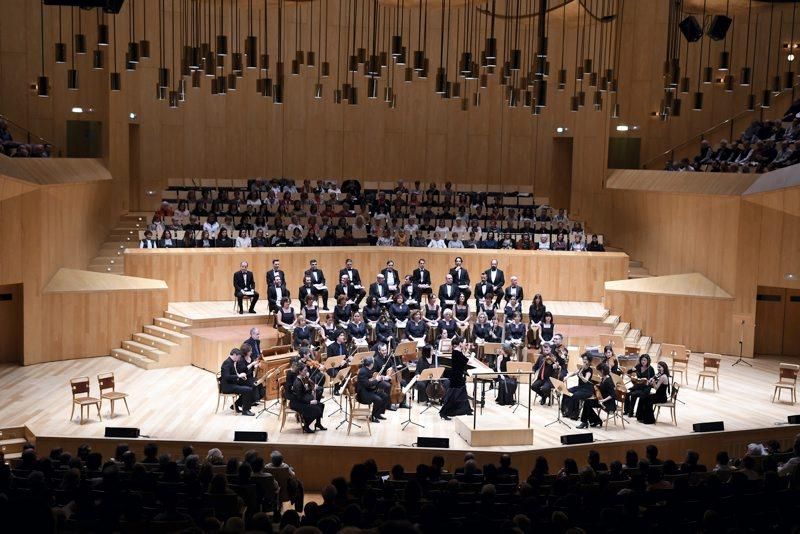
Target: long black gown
x,y
456,401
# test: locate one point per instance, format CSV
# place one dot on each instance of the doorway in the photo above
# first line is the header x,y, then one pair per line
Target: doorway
x,y
777,317
11,327
561,172
134,172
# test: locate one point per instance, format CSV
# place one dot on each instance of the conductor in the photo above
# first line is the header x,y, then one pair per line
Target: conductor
x,y
244,284
369,391
234,382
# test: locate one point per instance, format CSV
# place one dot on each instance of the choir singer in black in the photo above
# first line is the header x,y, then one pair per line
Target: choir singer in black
x,y
245,285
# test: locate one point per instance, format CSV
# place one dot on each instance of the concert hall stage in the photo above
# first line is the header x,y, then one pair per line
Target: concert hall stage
x,y
176,405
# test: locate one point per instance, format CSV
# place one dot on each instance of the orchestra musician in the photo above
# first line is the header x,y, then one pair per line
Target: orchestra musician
x,y
428,359
607,400
610,359
547,365
369,391
246,365
354,279
497,279
506,385
641,374
233,381
422,278
339,348
456,401
245,284
661,384
584,390
305,401
386,363
461,277
318,282
255,341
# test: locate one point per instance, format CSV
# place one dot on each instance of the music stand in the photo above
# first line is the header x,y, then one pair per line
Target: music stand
x,y
406,349
344,406
561,389
334,362
406,391
431,373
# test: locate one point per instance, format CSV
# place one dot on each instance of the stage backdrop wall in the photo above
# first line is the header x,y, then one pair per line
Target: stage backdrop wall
x,y
203,275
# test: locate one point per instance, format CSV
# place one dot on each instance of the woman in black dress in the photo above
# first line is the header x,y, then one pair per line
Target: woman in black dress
x,y
662,386
584,390
607,402
372,314
456,401
611,360
547,328
416,329
342,311
535,317
304,401
506,384
461,314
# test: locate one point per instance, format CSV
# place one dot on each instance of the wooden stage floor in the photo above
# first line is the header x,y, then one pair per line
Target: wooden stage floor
x,y
178,404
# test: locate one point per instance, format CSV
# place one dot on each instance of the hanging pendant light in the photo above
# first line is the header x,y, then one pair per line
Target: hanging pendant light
x,y
98,62
144,43
42,82
372,88
697,101
115,78
766,98
232,82
317,91
80,38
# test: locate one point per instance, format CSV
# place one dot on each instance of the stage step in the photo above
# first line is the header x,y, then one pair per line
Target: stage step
x,y
170,324
655,350
611,320
157,331
11,441
110,269
644,344
134,358
634,263
145,350
622,329
638,272
632,338
158,342
179,318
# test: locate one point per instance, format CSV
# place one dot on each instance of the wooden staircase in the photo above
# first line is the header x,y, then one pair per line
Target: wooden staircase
x,y
158,345
111,256
12,439
632,336
637,270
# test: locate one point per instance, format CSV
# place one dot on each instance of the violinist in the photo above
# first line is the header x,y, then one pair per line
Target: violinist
x,y
428,359
640,375
304,401
606,399
369,389
316,370
584,390
547,365
416,329
661,384
610,359
247,365
506,385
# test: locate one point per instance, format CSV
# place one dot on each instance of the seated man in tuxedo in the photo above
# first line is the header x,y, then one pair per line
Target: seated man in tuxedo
x,y
355,279
380,290
391,277
318,282
274,273
448,292
482,289
514,290
275,293
497,279
232,381
346,288
422,277
244,284
461,277
306,290
369,391
148,241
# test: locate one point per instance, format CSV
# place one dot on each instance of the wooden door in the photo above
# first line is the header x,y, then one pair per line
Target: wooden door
x,y
11,327
791,323
770,303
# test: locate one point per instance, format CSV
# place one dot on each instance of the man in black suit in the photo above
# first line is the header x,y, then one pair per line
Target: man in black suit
x,y
306,290
369,391
380,290
461,277
148,241
275,272
346,288
482,288
448,292
254,341
355,280
422,277
497,279
245,284
234,382
391,277
514,290
318,282
275,293
544,370
340,347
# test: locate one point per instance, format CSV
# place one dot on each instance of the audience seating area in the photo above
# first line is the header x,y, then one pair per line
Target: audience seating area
x,y
764,146
259,213
84,492
15,149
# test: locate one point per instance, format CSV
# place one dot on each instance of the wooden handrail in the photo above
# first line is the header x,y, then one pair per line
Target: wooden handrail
x,y
29,136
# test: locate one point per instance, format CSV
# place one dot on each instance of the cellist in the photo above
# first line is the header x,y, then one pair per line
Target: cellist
x,y
386,365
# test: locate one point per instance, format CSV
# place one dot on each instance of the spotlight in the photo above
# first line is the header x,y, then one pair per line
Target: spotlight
x,y
561,129
132,116
623,127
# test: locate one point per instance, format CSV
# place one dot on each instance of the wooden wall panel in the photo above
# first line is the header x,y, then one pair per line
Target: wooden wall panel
x,y
82,325
199,275
703,325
